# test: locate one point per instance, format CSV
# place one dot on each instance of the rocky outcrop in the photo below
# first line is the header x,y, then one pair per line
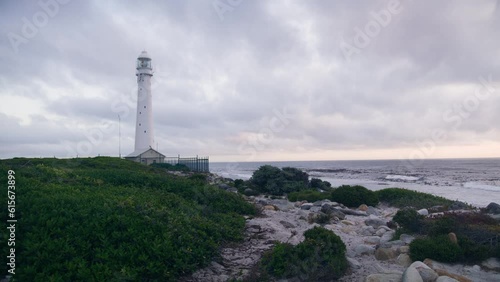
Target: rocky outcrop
x,y
493,208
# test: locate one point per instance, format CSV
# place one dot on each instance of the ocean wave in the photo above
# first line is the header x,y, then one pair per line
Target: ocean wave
x,y
483,186
404,178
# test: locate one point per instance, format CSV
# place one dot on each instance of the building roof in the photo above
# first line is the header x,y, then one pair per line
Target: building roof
x,y
139,152
144,55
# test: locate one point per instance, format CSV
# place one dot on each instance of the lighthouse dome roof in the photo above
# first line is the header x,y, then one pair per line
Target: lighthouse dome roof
x,y
144,55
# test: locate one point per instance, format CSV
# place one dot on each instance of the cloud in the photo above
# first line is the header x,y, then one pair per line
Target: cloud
x,y
219,80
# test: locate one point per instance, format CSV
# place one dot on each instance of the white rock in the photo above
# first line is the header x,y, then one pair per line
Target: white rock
x,y
306,206
423,212
412,275
406,238
372,240
404,260
380,232
353,263
387,236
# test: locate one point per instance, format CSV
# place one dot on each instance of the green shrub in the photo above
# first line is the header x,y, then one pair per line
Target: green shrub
x,y
409,219
171,167
317,183
108,219
354,196
308,195
275,181
438,248
400,198
320,257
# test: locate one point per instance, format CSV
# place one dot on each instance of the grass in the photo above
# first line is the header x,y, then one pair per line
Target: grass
x,y
400,198
107,219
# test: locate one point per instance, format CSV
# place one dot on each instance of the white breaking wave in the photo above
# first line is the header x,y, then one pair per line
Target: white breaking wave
x,y
402,178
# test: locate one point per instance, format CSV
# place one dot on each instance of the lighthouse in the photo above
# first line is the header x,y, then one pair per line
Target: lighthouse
x,y
144,141
144,121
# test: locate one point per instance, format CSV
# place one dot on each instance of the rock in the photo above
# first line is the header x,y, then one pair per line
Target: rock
x,y
333,204
348,222
385,253
249,192
406,238
362,249
427,274
353,212
318,203
315,209
269,208
445,279
458,206
493,208
423,212
353,263
459,278
306,206
375,222
333,212
411,275
453,237
372,240
287,224
404,249
491,264
366,231
379,277
380,232
282,205
363,207
372,210
404,260
387,236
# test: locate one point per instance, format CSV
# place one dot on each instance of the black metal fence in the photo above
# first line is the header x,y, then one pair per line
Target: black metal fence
x,y
195,164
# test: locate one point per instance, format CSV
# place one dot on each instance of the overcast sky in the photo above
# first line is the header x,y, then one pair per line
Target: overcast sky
x,y
246,80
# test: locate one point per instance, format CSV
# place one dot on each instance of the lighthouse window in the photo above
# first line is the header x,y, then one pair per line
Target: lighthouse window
x,y
144,131
144,107
140,112
139,124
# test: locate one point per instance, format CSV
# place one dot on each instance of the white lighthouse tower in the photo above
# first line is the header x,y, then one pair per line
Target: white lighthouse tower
x,y
144,142
144,121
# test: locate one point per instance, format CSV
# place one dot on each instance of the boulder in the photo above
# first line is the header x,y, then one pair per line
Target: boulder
x,y
353,212
232,190
282,205
385,253
406,238
436,209
306,206
491,264
404,260
269,208
387,236
380,232
493,208
404,249
372,240
224,186
412,275
315,209
363,249
423,212
459,278
372,210
453,237
348,222
366,231
363,207
375,222
382,277
333,211
457,205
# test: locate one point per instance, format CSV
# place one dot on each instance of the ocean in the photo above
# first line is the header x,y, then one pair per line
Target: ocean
x,y
475,181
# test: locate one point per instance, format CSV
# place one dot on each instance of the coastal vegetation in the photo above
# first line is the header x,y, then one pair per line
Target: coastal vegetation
x,y
320,257
107,219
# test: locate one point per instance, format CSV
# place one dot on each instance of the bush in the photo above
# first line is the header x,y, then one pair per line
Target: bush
x,y
354,196
409,219
438,248
170,167
275,181
308,195
317,183
400,198
320,257
108,219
